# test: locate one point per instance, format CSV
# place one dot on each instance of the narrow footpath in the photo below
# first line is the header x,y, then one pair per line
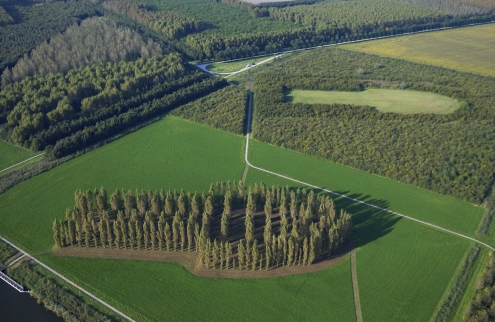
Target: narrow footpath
x,y
355,288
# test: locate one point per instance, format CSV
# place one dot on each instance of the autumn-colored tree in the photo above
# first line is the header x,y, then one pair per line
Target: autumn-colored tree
x,y
224,228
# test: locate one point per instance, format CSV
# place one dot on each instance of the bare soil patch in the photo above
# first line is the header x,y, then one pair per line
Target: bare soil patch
x,y
189,260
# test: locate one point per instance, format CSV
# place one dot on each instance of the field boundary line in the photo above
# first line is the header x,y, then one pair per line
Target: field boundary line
x,y
355,288
248,132
15,165
69,281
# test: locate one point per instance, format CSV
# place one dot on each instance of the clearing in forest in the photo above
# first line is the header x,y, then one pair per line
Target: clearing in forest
x,y
11,154
233,66
385,100
469,49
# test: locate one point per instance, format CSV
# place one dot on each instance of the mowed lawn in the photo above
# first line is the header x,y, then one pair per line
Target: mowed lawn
x,y
385,100
233,66
438,209
468,49
170,154
11,154
167,292
403,268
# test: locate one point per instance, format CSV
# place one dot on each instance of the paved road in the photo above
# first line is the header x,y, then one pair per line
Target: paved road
x,y
246,153
15,165
68,281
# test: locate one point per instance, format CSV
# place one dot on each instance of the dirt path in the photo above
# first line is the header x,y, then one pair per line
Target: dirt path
x,y
189,261
355,288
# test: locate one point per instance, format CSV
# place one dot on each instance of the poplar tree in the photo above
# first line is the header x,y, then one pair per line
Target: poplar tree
x,y
305,251
117,232
224,228
222,254
195,205
228,254
209,206
190,232
115,200
89,200
196,235
268,256
290,252
214,254
283,226
141,202
125,233
102,200
182,233
101,228
254,255
160,234
267,234
250,206
168,237
181,205
249,223
156,204
227,203
240,254
293,205
146,235
175,235
94,230
240,193
208,253
274,251
153,234
131,227
268,207
205,225
87,233
139,234
256,196
283,206
72,231
79,233
168,208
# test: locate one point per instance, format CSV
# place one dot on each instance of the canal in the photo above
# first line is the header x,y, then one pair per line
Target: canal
x,y
21,307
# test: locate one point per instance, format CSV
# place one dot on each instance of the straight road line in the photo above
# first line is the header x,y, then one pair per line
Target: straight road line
x,y
355,288
69,282
15,165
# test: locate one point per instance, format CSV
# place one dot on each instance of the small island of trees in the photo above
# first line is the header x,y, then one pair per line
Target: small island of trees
x,y
263,228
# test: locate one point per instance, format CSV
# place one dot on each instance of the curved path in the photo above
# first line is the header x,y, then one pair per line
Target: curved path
x,y
248,131
68,281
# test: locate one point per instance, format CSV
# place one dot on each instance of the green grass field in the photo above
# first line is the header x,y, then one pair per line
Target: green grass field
x,y
403,268
468,49
385,100
11,154
169,154
230,67
161,292
442,210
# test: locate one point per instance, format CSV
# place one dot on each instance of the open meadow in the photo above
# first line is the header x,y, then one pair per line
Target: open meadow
x,y
470,49
385,100
169,154
233,66
11,154
403,268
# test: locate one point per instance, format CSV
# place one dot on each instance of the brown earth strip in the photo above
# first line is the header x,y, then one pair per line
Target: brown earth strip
x,y
189,261
13,258
355,288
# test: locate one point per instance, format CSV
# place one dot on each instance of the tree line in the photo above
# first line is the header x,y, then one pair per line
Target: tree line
x,y
93,41
482,306
171,24
282,226
461,8
5,18
68,112
451,154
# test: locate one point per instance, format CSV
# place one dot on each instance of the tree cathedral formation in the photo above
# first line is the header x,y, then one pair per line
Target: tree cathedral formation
x,y
229,227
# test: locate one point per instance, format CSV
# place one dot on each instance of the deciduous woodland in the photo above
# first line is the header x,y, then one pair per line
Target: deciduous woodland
x,y
451,154
228,227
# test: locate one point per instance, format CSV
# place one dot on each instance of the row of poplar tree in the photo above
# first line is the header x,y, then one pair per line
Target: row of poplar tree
x,y
307,225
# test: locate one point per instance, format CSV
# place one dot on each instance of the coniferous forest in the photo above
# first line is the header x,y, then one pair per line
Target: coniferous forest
x,y
230,226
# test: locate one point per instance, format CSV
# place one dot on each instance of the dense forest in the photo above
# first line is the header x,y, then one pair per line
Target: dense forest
x,y
5,18
451,154
34,25
93,41
69,111
224,109
282,226
458,7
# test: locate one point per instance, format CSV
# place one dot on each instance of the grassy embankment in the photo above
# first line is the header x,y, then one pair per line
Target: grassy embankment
x,y
465,49
233,66
385,100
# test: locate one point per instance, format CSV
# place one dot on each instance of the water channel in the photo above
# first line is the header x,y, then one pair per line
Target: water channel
x,y
21,307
